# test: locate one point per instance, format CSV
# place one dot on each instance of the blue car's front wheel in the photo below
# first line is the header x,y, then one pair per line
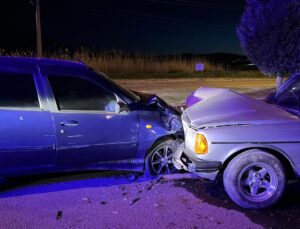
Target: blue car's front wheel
x,y
159,160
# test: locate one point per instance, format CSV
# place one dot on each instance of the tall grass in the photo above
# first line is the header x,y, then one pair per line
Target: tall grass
x,y
121,63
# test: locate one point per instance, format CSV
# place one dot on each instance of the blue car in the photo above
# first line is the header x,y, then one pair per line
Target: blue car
x,y
60,116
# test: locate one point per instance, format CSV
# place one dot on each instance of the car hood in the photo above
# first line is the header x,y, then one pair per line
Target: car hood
x,y
228,108
154,100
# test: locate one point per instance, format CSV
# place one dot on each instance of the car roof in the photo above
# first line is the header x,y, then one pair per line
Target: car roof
x,y
40,61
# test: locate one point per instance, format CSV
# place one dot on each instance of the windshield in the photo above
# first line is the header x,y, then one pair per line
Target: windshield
x,y
133,96
288,96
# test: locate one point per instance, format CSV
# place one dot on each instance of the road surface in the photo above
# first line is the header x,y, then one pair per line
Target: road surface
x,y
114,200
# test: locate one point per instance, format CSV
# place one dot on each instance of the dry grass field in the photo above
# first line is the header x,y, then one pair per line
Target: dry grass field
x,y
175,91
119,64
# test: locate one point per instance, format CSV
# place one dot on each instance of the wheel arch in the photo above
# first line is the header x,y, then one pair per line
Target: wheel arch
x,y
162,139
159,141
287,163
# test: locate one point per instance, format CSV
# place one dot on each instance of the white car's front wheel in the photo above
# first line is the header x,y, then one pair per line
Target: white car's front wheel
x,y
255,179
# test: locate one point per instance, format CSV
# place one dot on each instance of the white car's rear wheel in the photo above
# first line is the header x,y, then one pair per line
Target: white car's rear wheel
x,y
255,179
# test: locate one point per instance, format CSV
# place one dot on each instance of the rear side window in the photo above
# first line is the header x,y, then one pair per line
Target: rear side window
x,y
18,91
72,93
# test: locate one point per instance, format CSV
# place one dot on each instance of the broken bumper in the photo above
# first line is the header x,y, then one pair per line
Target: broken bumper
x,y
202,168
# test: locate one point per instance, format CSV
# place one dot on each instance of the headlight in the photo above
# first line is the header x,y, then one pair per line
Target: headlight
x,y
201,145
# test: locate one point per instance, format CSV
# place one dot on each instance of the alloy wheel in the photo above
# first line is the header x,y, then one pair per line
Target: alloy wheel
x,y
258,182
161,160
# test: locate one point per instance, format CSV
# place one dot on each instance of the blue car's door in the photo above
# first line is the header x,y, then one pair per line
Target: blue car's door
x,y
90,132
27,137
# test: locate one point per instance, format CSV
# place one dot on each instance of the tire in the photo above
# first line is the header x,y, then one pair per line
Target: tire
x,y
255,179
159,159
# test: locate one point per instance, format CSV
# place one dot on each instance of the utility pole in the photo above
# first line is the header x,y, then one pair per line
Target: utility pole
x,y
38,29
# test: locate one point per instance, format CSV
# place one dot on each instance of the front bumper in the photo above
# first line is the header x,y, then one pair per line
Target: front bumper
x,y
205,169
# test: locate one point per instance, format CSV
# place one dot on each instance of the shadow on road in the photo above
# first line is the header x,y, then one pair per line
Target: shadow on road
x,y
60,182
284,215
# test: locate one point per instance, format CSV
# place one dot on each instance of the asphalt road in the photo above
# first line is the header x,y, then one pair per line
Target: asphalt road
x,y
175,91
117,200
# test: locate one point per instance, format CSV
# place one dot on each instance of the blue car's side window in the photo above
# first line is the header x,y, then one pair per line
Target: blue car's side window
x,y
18,91
72,93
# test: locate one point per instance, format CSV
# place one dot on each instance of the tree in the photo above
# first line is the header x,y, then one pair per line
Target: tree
x,y
269,33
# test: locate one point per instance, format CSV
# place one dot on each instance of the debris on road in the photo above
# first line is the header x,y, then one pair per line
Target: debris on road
x,y
59,215
135,200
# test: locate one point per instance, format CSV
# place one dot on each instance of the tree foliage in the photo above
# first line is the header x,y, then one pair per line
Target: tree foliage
x,y
269,33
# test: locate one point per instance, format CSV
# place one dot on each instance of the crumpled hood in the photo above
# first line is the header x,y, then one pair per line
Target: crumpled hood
x,y
226,108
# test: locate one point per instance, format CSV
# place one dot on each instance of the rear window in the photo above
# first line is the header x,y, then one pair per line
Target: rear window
x,y
18,91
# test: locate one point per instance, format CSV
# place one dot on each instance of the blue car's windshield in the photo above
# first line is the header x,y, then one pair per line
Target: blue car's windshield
x,y
133,96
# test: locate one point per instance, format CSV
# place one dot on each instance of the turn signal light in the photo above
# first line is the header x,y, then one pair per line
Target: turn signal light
x,y
201,145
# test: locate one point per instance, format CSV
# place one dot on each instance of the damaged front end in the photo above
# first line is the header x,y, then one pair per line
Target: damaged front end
x,y
170,116
202,168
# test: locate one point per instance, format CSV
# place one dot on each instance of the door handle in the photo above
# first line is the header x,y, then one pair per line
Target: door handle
x,y
69,123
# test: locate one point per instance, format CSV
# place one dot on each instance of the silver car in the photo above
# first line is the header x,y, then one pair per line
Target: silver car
x,y
254,144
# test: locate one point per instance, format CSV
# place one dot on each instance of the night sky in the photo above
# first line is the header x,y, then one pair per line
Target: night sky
x,y
151,26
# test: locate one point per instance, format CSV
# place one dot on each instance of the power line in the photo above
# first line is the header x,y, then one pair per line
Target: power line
x,y
131,19
158,23
174,20
206,4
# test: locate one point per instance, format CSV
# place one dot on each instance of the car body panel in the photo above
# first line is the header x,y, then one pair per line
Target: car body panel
x,y
231,108
150,135
202,93
27,140
101,140
97,138
233,123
